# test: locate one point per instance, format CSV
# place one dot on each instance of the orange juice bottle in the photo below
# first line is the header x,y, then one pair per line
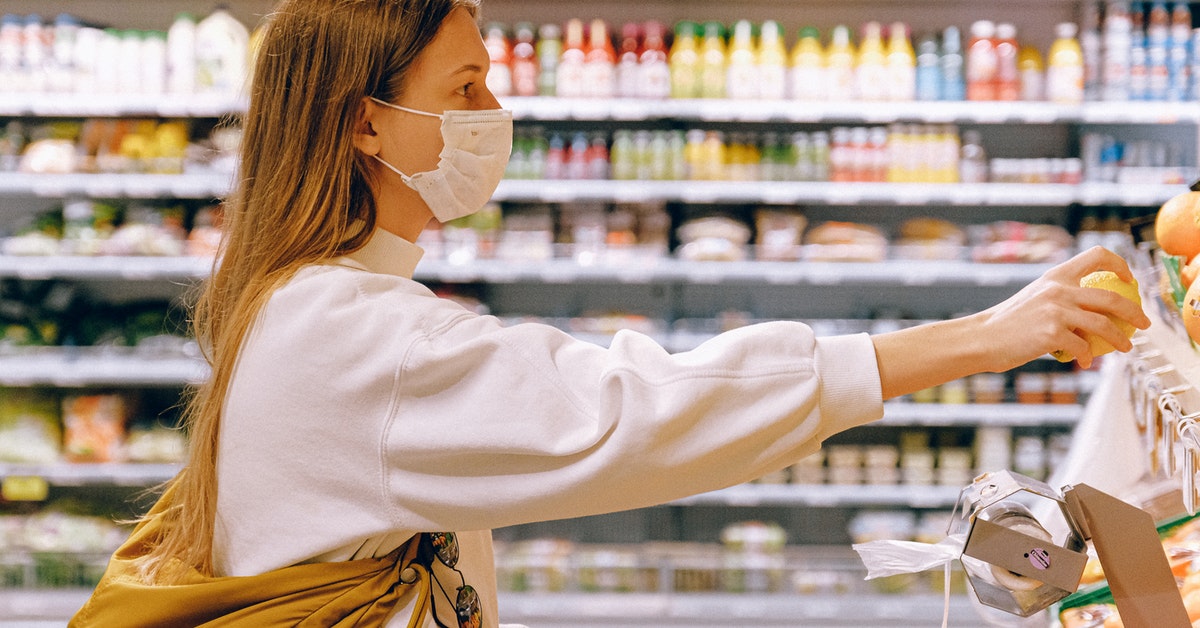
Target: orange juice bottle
x,y
840,64
809,77
901,64
713,61
872,70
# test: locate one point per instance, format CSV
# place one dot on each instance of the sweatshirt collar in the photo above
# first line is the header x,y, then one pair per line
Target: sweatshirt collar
x,y
388,253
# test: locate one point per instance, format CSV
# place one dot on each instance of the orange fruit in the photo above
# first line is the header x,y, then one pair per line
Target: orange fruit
x,y
1190,271
1177,225
1191,312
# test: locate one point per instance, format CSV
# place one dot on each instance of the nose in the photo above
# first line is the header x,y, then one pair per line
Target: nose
x,y
488,100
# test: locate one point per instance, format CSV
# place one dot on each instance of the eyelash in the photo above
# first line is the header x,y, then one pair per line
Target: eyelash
x,y
466,89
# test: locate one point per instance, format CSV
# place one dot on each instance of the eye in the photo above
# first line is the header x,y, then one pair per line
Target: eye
x,y
465,90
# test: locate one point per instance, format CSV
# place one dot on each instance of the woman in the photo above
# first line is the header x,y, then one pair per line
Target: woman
x,y
352,415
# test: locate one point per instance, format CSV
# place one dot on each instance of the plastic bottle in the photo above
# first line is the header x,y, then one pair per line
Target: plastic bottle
x,y
35,52
872,71
901,64
569,78
154,63
741,79
628,55
654,80
524,61
840,65
684,61
1179,53
61,67
1117,45
600,60
222,50
1137,21
1008,74
499,77
181,55
108,60
954,84
772,62
713,61
549,51
1065,72
808,78
928,72
1158,25
1032,71
1139,71
982,62
129,61
11,71
1090,42
973,164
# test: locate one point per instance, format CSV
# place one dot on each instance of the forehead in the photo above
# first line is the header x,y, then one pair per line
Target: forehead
x,y
457,43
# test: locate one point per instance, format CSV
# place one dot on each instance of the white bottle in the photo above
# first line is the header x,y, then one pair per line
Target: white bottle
x,y
222,54
154,63
181,55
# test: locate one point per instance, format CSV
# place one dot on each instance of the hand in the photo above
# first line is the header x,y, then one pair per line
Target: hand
x,y
1054,313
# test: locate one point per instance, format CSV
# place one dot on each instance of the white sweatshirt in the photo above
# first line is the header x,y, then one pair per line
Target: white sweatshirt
x,y
364,409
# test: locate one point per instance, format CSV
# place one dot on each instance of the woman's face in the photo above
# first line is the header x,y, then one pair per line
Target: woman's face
x,y
448,74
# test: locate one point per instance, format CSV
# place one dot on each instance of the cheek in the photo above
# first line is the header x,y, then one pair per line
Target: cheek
x,y
417,147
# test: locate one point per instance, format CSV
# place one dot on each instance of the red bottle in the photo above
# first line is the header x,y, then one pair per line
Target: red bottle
x,y
982,62
600,63
524,62
1008,77
655,80
628,58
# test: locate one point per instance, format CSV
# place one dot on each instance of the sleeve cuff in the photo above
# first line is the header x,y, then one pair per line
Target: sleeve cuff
x,y
851,393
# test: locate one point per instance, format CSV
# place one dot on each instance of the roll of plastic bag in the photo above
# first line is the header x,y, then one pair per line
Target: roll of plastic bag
x,y
890,558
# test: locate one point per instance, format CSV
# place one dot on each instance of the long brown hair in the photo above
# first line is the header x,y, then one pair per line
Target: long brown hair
x,y
304,196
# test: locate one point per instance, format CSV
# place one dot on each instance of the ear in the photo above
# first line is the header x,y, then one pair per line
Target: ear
x,y
365,137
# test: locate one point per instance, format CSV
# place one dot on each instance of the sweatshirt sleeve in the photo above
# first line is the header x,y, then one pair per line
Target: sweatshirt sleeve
x,y
495,426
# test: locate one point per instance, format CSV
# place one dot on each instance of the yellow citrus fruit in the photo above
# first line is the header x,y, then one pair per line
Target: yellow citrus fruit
x,y
1106,280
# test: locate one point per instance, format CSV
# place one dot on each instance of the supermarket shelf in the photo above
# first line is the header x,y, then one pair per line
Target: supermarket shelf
x,y
827,496
99,105
577,610
104,267
567,271
980,414
895,272
801,192
712,110
544,108
116,185
69,368
93,474
567,610
216,185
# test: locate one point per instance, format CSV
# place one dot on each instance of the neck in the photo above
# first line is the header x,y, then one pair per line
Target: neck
x,y
402,212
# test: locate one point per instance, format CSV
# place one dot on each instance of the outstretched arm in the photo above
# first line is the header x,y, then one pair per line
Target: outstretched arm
x,y
1049,314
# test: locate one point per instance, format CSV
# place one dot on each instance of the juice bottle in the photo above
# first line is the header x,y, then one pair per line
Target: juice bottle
x,y
901,64
1032,72
684,61
954,84
772,62
1008,77
628,55
181,55
840,65
741,80
570,72
1179,52
654,80
713,61
872,70
1158,26
549,51
808,79
928,75
1181,23
499,77
524,62
222,51
982,62
600,61
1091,45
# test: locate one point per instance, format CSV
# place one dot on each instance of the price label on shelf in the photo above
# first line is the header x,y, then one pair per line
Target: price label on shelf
x,y
24,488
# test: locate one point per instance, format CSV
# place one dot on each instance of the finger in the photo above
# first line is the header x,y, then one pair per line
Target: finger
x,y
1094,259
1101,326
1075,345
1112,304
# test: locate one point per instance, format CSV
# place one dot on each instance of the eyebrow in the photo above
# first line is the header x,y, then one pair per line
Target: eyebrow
x,y
470,67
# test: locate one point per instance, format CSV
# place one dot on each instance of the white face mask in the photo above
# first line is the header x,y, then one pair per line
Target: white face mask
x,y
475,151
